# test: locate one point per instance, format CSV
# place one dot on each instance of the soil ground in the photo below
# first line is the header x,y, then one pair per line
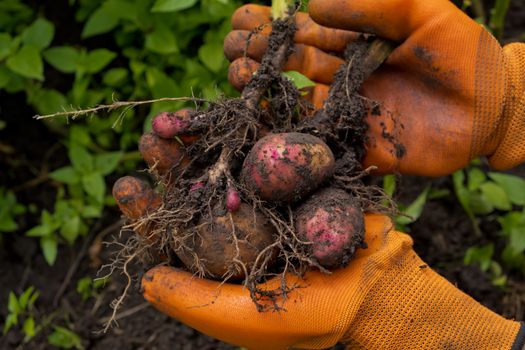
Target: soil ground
x,y
441,236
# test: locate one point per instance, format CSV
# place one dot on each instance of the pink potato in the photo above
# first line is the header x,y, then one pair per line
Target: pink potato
x,y
168,125
334,223
286,167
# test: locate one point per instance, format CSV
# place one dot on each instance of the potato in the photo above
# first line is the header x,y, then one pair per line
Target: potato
x,y
286,167
168,125
233,199
164,155
333,221
134,197
215,247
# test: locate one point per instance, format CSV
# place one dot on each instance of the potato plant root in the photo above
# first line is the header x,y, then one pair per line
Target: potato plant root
x,y
233,173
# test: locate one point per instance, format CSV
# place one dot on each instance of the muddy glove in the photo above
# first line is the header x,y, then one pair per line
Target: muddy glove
x,y
448,93
387,298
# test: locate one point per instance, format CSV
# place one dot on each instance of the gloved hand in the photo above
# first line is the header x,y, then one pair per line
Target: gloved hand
x,y
387,298
449,92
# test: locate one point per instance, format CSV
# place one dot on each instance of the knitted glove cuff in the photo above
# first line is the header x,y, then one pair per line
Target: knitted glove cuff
x,y
412,307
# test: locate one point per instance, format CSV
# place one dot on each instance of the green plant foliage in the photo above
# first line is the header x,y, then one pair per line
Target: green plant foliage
x,y
88,287
502,196
9,210
299,80
409,214
21,308
64,338
482,256
152,49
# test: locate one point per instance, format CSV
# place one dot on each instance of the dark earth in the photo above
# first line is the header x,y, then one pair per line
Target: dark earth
x,y
441,235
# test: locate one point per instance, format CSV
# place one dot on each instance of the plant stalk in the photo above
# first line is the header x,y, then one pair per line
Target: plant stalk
x,y
280,8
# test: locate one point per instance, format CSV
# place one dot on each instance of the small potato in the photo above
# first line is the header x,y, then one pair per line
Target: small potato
x,y
168,125
162,154
333,221
286,167
214,243
136,199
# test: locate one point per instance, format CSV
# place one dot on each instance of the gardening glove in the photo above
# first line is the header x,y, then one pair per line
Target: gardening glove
x,y
386,298
448,93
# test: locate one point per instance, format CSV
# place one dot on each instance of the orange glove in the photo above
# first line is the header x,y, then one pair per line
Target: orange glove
x,y
386,298
449,92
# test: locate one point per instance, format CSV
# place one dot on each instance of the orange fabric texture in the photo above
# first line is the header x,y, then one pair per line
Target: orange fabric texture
x,y
449,93
511,149
384,299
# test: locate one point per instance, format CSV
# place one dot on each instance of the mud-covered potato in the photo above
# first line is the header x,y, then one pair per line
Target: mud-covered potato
x,y
286,167
214,243
136,199
333,221
164,155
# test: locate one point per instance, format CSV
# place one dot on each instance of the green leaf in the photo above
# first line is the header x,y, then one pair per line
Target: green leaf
x,y
80,158
5,45
495,195
70,229
107,162
98,59
132,12
160,84
80,135
32,299
115,76
513,186
475,178
90,211
511,221
172,5
461,191
65,339
414,210
94,185
438,193
47,101
479,204
38,231
84,287
161,40
512,258
62,58
27,62
49,248
517,240
300,81
29,328
24,298
13,306
5,76
66,175
481,255
39,34
389,184
101,21
7,224
10,321
212,55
